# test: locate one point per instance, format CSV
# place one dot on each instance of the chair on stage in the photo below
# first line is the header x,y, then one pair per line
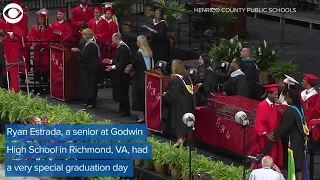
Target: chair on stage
x,y
221,73
20,63
161,66
193,72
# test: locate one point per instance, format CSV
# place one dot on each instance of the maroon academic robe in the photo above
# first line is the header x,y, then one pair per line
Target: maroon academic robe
x,y
100,30
78,16
44,35
309,99
12,51
66,32
113,28
267,120
2,24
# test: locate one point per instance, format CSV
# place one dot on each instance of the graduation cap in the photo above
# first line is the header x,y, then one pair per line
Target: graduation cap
x,y
43,14
271,88
290,80
108,4
60,10
109,9
310,78
98,9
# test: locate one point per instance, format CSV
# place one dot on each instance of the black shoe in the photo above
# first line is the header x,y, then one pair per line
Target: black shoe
x,y
125,114
85,105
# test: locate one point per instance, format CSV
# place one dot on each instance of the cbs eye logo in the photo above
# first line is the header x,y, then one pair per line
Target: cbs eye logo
x,y
12,13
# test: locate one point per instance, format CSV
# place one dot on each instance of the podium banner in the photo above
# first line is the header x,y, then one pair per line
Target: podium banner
x,y
57,73
153,93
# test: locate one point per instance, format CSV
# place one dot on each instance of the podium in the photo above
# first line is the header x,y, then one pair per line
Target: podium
x,y
64,70
155,85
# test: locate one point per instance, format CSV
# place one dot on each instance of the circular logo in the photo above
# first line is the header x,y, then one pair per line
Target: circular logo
x,y
12,13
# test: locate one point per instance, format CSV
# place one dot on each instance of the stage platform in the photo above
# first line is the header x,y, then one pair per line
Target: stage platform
x,y
303,18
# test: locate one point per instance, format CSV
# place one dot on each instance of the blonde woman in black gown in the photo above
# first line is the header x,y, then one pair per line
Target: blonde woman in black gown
x,y
142,62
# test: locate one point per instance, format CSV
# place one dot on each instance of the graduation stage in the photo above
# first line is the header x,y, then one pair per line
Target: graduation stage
x,y
304,53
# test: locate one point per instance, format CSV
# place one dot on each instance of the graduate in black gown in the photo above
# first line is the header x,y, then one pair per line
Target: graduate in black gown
x,y
293,131
119,78
179,99
206,79
159,36
237,82
89,69
142,62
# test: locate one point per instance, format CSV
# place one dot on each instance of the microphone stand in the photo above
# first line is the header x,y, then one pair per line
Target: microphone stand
x,y
245,124
282,20
191,129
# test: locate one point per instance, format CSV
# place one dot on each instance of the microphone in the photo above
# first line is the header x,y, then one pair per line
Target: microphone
x,y
241,117
188,119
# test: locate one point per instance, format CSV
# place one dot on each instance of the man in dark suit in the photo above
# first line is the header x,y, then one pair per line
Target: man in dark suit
x,y
120,79
249,68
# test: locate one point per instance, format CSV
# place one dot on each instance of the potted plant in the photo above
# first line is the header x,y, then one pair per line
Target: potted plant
x,y
227,50
264,55
173,12
279,68
159,156
124,12
176,161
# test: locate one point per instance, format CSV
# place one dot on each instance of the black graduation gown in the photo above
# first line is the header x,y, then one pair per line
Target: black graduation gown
x,y
178,101
208,85
89,69
237,86
159,41
138,82
250,70
2,67
120,79
290,126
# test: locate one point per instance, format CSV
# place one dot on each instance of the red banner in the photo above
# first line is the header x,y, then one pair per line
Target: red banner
x,y
223,133
57,73
153,102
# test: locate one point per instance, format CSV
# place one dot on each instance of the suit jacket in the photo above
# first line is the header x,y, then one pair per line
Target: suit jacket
x,y
121,60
